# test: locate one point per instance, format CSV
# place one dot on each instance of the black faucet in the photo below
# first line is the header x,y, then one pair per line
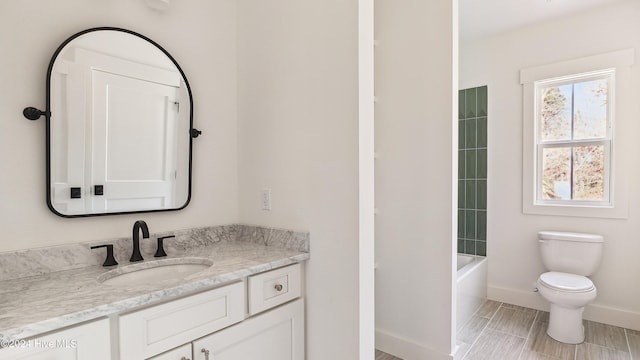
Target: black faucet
x,y
137,226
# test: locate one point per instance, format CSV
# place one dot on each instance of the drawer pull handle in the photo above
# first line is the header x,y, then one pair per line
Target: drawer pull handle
x,y
206,353
184,358
278,287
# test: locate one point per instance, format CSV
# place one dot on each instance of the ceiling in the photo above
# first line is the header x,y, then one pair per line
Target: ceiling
x,y
479,18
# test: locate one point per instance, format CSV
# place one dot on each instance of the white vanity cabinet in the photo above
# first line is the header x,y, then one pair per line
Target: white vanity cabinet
x,y
257,317
82,342
260,318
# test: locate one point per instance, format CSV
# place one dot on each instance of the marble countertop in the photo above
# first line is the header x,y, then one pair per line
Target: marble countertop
x,y
33,305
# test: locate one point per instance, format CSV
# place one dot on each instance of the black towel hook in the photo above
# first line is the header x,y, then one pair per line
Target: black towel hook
x,y
195,133
32,113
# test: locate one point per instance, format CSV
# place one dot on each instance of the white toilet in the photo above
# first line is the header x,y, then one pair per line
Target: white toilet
x,y
570,258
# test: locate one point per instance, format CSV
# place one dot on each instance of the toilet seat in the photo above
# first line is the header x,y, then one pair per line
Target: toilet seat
x,y
566,282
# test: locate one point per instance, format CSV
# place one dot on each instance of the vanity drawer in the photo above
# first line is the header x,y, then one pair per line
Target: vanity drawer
x,y
151,331
273,288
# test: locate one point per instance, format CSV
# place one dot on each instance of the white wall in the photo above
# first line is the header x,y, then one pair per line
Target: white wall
x,y
514,262
415,86
200,34
298,136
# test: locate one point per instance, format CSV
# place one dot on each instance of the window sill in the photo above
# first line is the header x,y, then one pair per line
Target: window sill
x,y
607,212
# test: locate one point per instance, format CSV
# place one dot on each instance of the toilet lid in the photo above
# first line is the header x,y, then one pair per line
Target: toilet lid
x,y
566,282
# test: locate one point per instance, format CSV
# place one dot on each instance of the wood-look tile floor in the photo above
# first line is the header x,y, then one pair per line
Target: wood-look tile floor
x,y
499,331
503,331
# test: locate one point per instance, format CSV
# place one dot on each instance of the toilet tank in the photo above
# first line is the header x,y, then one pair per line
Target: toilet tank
x,y
570,252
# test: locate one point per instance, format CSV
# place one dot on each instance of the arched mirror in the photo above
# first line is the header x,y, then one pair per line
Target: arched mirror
x,y
119,126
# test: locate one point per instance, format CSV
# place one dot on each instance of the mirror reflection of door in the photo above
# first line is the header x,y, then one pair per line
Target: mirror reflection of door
x,y
129,145
140,179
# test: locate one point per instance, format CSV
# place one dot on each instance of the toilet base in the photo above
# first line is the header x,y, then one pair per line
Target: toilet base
x,y
565,324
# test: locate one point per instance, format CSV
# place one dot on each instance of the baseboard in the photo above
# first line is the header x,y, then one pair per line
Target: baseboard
x,y
613,316
406,349
519,297
594,312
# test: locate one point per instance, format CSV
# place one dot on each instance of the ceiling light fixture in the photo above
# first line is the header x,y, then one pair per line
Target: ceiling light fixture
x,y
158,5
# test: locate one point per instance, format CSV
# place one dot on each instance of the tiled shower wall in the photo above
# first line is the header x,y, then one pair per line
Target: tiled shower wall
x,y
472,171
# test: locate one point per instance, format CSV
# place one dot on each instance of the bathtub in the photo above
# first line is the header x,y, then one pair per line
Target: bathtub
x,y
471,287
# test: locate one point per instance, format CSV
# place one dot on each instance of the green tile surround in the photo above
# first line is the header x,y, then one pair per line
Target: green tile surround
x,y
472,171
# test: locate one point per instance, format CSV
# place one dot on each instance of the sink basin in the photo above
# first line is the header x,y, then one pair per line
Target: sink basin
x,y
154,271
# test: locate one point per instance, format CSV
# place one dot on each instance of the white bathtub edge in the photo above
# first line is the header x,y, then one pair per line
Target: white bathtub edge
x,y
469,268
471,287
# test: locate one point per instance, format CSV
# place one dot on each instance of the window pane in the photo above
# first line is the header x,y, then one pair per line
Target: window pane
x,y
590,109
588,172
556,171
555,113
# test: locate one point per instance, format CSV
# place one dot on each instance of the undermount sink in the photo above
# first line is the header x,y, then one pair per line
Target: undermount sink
x,y
155,271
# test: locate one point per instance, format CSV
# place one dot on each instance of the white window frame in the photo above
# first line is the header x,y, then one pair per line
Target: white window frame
x,y
606,142
620,100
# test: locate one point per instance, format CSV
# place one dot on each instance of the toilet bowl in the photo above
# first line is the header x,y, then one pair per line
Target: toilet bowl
x,y
568,294
570,258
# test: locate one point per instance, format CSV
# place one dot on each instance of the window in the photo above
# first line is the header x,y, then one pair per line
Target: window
x,y
578,127
574,117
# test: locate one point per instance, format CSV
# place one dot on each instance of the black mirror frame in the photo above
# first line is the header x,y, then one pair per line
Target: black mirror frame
x,y
32,113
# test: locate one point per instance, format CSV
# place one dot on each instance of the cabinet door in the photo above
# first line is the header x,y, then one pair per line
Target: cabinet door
x,y
181,353
84,342
275,335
